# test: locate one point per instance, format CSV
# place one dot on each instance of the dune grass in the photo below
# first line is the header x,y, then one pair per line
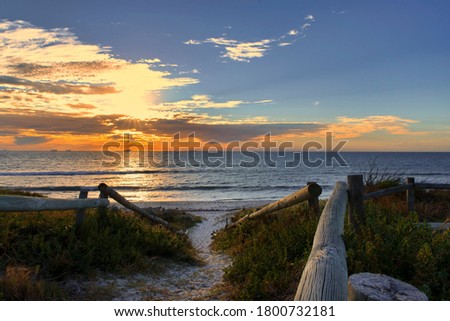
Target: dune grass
x,y
4,191
39,249
269,254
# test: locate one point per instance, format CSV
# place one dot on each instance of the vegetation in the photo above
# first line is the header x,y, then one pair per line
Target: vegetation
x,y
379,178
268,255
403,247
178,219
17,192
39,249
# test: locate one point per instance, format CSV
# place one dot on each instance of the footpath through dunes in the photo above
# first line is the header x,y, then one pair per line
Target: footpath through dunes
x,y
169,280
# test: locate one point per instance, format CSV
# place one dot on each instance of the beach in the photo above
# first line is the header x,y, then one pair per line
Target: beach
x,y
209,192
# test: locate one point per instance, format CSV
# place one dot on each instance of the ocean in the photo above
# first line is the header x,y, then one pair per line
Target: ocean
x,y
235,177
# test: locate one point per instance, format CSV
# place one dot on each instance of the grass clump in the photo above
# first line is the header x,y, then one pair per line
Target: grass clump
x,y
4,191
401,246
48,242
268,253
178,219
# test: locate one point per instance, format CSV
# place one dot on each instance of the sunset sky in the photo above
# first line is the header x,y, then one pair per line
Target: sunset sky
x,y
76,74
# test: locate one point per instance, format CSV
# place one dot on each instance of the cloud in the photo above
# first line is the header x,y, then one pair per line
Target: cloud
x,y
149,61
350,127
305,26
245,51
205,101
192,42
81,106
56,65
339,12
59,88
229,131
57,123
193,71
206,128
8,132
31,140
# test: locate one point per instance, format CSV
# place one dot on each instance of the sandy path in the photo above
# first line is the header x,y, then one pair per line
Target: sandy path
x,y
180,281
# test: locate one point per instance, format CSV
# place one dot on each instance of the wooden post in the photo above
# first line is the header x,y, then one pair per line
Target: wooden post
x,y
80,212
102,212
325,275
355,200
313,203
410,194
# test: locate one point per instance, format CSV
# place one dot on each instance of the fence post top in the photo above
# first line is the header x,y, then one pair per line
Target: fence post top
x,y
102,186
354,176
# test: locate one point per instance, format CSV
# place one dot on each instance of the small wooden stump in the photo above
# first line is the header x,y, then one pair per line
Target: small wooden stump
x,y
380,287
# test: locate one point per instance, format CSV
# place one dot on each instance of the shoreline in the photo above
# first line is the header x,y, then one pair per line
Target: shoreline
x,y
204,206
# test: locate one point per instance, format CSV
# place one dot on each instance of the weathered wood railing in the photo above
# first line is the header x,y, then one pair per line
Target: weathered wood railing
x,y
108,191
325,275
310,193
357,195
13,203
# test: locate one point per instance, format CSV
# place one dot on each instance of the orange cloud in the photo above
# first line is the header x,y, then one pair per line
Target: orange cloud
x,y
55,64
350,127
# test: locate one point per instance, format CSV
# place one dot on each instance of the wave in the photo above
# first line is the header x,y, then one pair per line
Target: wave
x,y
427,174
159,188
92,173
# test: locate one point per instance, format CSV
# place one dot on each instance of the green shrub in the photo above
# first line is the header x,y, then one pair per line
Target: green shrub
x,y
49,242
268,253
4,191
403,247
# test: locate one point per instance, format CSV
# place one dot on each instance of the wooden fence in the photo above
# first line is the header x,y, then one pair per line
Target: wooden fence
x,y
325,275
309,193
357,195
15,203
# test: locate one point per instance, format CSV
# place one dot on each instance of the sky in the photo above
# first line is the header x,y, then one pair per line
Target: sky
x,y
77,74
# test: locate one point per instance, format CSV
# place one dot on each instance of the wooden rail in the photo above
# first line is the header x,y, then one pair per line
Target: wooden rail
x,y
12,203
308,193
357,195
108,191
432,186
325,274
388,191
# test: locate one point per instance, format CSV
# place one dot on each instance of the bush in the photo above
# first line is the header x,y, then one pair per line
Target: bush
x,y
402,247
48,242
269,254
